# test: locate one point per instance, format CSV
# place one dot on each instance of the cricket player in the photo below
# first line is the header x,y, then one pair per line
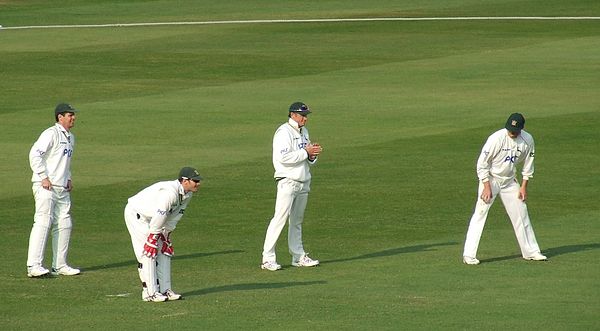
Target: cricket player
x,y
496,170
50,162
151,215
293,154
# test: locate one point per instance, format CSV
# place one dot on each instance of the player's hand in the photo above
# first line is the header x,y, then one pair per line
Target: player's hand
x,y
69,186
486,194
313,150
167,246
522,194
151,245
46,184
318,147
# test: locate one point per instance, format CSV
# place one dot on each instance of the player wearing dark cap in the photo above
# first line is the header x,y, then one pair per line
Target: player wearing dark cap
x,y
151,215
496,170
50,162
293,155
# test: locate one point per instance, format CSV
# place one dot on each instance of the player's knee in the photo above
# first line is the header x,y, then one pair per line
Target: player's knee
x,y
65,223
42,219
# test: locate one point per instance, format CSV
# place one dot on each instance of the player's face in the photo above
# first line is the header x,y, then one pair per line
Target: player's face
x,y
67,120
300,119
190,185
514,134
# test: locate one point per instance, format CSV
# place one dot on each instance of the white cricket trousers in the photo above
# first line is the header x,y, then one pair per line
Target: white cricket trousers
x,y
517,212
52,211
292,197
155,273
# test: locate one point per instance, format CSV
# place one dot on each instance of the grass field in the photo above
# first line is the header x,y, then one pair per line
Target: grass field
x,y
402,109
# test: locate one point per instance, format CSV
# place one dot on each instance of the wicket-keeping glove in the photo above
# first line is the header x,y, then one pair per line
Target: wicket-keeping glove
x,y
167,246
151,245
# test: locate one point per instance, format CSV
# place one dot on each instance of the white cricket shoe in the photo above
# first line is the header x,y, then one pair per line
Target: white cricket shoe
x,y
156,297
470,260
305,261
36,271
66,271
536,257
171,296
270,265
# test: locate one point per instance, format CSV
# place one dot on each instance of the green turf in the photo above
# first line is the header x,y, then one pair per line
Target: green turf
x,y
401,108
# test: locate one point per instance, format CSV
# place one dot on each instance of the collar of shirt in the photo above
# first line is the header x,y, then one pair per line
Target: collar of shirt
x,y
181,191
64,131
61,128
294,125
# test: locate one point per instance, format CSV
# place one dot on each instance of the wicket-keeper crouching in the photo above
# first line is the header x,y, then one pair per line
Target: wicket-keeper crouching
x,y
151,216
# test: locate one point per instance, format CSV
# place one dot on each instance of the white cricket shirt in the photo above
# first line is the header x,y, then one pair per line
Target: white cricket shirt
x,y
290,159
161,205
50,156
501,154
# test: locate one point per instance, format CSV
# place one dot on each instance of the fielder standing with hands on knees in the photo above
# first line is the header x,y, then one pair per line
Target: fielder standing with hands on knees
x,y
496,170
293,155
50,161
151,215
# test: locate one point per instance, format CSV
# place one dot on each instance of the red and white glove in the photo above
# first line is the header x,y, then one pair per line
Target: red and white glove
x,y
167,246
151,245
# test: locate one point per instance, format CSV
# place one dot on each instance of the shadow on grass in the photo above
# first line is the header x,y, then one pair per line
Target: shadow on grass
x,y
555,251
391,252
176,257
250,286
501,258
550,252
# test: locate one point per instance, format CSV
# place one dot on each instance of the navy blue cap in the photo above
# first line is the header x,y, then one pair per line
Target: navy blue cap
x,y
299,107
